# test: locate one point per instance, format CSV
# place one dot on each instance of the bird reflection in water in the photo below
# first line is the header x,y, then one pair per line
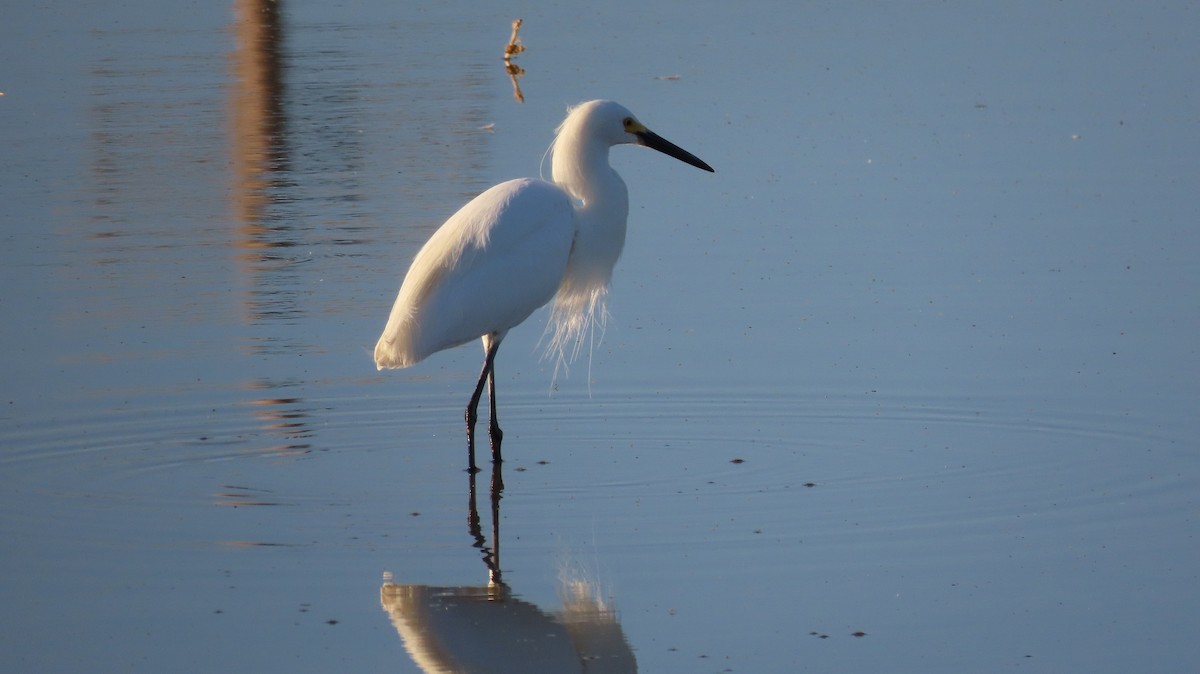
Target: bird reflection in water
x,y
472,629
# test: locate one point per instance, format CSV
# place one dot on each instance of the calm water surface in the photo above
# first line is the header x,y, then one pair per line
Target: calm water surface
x,y
909,384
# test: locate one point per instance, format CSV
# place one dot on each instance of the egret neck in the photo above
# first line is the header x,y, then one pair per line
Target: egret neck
x,y
580,166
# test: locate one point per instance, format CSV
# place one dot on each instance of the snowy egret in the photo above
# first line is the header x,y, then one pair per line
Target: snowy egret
x,y
518,245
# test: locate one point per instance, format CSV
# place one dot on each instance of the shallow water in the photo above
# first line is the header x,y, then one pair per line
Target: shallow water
x,y
909,384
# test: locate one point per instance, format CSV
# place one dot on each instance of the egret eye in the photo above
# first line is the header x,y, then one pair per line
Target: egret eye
x,y
628,122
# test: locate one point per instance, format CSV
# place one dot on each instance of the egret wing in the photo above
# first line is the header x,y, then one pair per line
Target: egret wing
x,y
490,266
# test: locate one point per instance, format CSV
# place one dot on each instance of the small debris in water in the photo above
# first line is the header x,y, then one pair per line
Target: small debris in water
x,y
514,46
514,71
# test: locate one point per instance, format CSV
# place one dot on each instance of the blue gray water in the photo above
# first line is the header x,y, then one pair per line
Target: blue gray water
x,y
909,384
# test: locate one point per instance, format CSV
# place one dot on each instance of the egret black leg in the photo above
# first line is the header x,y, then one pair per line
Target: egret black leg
x,y
473,407
497,435
472,414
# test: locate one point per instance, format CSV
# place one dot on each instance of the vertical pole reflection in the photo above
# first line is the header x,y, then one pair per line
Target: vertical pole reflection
x,y
259,161
257,116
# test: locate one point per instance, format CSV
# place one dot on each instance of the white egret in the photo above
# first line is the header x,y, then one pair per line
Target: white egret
x,y
518,245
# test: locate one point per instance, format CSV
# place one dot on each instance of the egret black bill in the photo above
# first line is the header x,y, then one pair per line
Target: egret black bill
x,y
656,142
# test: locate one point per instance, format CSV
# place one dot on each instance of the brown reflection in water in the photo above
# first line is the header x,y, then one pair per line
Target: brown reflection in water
x,y
257,118
236,496
282,416
259,161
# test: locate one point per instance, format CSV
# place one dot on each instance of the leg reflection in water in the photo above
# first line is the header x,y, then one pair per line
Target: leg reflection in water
x,y
491,556
489,628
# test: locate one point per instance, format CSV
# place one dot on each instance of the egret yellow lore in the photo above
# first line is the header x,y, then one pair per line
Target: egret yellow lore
x,y
519,245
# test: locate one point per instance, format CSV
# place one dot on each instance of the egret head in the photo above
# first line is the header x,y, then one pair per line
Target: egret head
x,y
613,124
